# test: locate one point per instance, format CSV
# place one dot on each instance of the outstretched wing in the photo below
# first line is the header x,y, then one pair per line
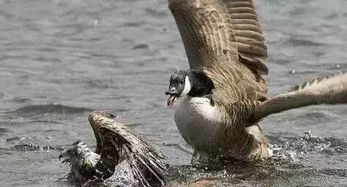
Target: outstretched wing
x,y
118,143
323,90
217,32
224,38
206,30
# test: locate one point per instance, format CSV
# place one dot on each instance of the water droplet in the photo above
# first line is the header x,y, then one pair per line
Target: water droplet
x,y
95,23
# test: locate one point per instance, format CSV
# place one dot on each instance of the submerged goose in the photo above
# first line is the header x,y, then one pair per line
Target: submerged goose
x,y
121,157
223,95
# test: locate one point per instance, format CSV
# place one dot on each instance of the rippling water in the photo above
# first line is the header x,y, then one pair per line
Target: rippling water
x,y
61,59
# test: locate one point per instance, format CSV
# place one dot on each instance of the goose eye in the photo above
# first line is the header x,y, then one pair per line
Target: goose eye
x,y
181,82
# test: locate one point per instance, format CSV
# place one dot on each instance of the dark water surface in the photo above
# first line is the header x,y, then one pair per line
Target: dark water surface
x,y
61,59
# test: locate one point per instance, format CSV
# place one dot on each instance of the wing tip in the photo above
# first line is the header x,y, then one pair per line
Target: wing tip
x,y
316,80
103,113
185,4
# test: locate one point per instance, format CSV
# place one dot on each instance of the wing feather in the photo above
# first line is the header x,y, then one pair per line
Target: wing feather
x,y
206,30
118,143
221,31
248,35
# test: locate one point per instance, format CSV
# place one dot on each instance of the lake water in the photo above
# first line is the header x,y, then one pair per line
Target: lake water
x,y
61,59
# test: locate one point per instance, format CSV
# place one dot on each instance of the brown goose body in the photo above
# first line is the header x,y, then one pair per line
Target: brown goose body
x,y
223,38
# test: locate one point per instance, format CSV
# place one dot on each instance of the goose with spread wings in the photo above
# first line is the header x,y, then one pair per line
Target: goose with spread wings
x,y
121,157
223,95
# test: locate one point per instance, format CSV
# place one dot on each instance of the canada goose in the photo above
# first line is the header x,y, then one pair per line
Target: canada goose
x,y
223,96
116,145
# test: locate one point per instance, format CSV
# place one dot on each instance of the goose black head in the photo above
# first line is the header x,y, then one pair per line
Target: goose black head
x,y
191,82
76,154
72,153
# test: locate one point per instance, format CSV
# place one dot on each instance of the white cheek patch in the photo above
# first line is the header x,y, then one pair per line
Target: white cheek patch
x,y
187,86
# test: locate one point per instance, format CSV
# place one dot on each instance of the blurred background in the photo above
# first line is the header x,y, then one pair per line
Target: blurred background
x,y
62,59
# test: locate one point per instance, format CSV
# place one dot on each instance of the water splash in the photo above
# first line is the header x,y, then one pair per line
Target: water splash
x,y
295,149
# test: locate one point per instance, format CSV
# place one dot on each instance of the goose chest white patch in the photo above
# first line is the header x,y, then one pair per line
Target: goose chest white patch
x,y
197,119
